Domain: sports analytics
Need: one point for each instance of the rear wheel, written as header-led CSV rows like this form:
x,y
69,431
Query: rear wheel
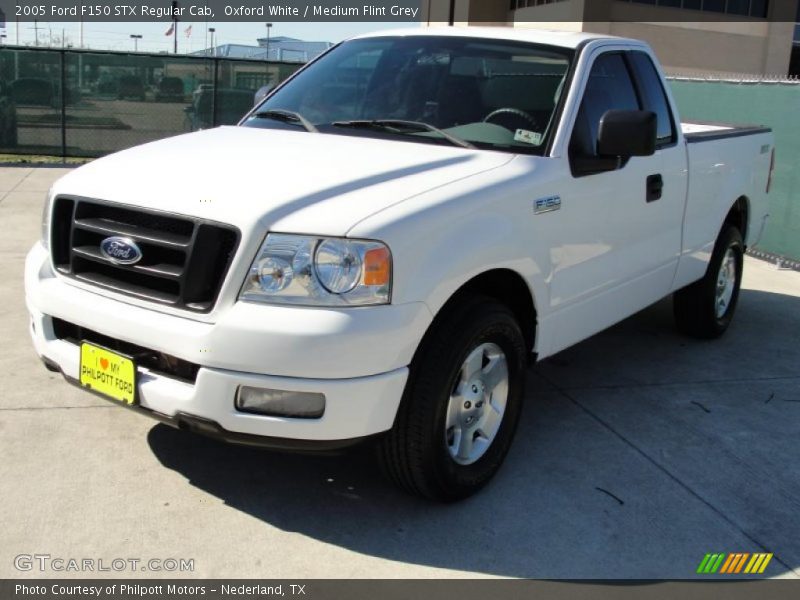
x,y
705,309
461,404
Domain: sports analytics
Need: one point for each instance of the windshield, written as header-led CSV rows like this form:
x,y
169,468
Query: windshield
x,y
490,93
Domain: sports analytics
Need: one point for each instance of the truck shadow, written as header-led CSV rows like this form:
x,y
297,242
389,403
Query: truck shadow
x,y
638,452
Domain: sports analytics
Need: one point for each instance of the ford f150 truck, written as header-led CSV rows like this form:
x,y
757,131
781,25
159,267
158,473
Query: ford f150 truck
x,y
380,247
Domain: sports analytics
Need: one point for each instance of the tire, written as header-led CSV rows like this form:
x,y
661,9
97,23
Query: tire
x,y
699,310
426,452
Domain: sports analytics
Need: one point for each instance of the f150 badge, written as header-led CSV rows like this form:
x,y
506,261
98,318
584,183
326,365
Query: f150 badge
x,y
549,204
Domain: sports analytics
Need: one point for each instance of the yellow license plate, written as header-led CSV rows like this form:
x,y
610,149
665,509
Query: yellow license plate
x,y
108,373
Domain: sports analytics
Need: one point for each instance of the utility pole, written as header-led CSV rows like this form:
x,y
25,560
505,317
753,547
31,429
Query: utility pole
x,y
212,30
175,26
205,38
267,75
136,37
36,30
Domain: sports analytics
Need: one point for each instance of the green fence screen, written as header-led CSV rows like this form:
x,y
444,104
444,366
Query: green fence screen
x,y
86,104
776,105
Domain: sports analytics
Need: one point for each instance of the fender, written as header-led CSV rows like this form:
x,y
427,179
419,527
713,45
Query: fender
x,y
445,238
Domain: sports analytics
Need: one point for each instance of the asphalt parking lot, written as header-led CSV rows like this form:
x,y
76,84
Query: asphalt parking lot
x,y
639,452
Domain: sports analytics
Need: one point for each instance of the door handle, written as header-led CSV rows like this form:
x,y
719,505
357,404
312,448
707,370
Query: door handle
x,y
655,187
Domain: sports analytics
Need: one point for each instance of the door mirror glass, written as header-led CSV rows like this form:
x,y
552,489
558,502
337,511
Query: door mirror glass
x,y
627,133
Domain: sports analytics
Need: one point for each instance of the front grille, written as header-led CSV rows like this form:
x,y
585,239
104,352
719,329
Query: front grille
x,y
158,362
184,260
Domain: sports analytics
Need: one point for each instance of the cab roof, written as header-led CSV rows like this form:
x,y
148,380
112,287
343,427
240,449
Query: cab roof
x,y
561,39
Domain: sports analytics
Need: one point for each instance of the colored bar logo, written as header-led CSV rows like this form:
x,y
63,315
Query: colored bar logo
x,y
734,563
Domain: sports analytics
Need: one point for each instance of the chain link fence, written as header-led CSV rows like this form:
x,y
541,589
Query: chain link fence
x,y
79,103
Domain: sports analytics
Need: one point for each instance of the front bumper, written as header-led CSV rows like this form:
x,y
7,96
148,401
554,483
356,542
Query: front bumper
x,y
356,357
212,429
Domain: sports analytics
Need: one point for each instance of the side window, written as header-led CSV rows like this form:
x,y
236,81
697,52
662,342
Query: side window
x,y
609,88
653,96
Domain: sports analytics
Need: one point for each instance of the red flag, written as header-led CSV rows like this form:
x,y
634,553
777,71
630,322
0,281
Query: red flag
x,y
188,31
171,30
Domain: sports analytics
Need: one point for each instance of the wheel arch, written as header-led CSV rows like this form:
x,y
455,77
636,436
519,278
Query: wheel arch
x,y
739,216
505,286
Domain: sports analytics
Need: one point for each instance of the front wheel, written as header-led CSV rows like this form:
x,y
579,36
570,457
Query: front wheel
x,y
461,404
705,309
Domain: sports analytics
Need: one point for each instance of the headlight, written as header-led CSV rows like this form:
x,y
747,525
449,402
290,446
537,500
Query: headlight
x,y
313,271
338,266
46,209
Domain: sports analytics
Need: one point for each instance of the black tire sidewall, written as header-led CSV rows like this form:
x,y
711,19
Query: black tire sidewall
x,y
498,327
730,239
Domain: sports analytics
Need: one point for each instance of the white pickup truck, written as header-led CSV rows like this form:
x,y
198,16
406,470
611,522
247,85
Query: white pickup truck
x,y
382,245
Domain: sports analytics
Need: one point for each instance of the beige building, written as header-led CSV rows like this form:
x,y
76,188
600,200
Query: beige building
x,y
689,36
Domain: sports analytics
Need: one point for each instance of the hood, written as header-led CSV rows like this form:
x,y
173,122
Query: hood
x,y
287,181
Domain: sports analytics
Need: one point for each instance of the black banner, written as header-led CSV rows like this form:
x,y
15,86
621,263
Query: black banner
x,y
401,11
395,589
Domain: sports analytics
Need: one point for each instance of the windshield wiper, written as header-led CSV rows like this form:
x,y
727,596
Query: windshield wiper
x,y
287,116
401,126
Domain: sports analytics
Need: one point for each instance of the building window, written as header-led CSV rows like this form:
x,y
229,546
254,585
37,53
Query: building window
x,y
515,4
797,26
746,8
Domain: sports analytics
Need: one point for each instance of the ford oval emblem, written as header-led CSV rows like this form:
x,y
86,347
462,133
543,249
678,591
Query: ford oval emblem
x,y
121,250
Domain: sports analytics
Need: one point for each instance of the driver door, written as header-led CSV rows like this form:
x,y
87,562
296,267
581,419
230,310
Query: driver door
x,y
617,247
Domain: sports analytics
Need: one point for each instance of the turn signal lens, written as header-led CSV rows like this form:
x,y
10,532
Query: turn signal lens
x,y
377,267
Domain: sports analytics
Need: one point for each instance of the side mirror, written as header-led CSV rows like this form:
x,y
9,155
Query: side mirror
x,y
626,133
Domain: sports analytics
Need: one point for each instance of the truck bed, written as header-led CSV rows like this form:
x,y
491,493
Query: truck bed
x,y
731,163
702,131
